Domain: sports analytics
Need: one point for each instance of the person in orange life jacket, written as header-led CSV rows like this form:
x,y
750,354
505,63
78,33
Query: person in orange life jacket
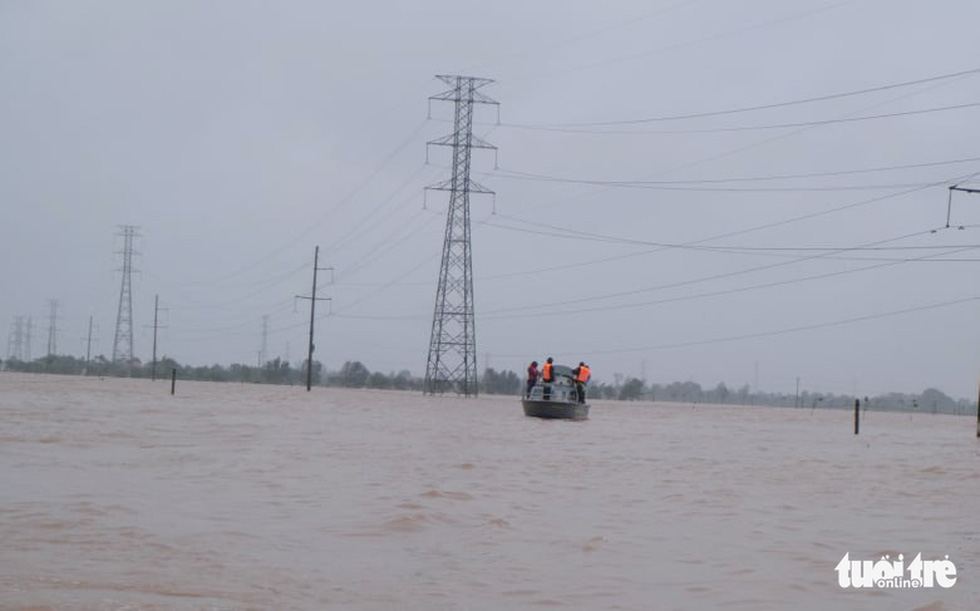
x,y
547,377
532,377
582,374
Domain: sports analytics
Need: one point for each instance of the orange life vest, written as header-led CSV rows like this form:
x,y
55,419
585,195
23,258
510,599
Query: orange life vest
x,y
583,374
546,373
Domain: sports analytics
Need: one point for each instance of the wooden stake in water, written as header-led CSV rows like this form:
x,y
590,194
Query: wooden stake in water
x,y
173,381
857,416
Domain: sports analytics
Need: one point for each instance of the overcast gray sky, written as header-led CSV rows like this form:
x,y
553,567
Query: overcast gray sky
x,y
751,246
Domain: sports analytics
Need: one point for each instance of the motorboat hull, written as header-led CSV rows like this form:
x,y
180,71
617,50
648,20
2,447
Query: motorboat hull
x,y
555,410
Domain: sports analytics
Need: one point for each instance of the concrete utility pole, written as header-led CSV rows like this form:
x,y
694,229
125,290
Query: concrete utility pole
x,y
857,416
313,299
452,345
156,325
88,348
949,209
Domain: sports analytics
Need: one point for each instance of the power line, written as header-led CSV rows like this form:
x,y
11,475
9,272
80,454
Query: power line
x,y
553,303
391,242
397,278
744,289
309,227
585,235
708,189
746,128
784,136
711,38
797,329
697,246
717,236
731,111
363,225
520,175
595,32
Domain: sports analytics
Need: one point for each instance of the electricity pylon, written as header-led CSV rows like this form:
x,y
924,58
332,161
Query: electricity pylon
x,y
122,345
452,345
53,327
15,345
263,348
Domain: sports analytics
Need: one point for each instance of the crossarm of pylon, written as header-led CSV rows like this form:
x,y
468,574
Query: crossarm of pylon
x,y
447,185
475,142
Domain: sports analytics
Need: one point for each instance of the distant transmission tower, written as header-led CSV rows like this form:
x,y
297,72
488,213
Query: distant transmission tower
x,y
452,346
27,340
122,345
15,346
53,327
264,346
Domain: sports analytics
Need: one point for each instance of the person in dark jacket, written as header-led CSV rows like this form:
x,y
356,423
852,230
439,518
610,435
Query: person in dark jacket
x,y
532,377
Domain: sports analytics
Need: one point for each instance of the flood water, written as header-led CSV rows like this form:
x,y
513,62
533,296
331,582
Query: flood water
x,y
116,495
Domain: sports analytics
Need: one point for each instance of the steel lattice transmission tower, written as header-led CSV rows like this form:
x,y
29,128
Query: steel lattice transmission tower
x,y
15,344
122,345
452,347
53,327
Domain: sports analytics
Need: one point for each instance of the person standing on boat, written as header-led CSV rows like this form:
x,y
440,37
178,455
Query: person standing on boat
x,y
532,377
582,374
547,377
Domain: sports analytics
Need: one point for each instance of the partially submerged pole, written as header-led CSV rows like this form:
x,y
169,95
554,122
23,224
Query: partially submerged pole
x,y
156,310
313,299
857,416
173,381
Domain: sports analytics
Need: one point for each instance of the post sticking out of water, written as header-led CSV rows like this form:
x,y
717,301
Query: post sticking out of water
x,y
857,416
173,380
978,417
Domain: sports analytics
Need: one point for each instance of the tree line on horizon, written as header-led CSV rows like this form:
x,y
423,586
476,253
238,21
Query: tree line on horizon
x,y
354,374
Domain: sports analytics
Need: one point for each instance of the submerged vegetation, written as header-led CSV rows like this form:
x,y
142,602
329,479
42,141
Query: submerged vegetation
x,y
354,374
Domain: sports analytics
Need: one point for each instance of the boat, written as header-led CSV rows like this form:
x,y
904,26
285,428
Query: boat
x,y
558,400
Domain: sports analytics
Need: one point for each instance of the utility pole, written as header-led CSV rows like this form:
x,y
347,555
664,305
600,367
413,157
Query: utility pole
x,y
949,203
313,299
451,363
949,209
88,349
156,325
156,310
122,345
